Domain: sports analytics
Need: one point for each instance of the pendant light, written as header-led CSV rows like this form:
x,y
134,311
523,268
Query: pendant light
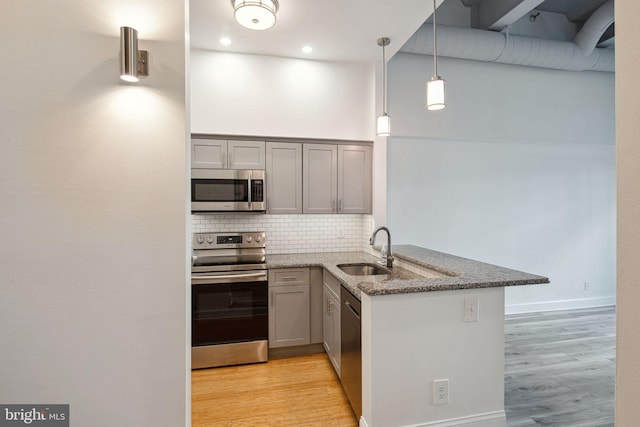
x,y
435,86
383,127
255,14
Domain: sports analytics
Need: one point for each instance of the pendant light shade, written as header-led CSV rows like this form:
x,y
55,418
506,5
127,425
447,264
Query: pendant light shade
x,y
435,94
435,86
255,14
383,126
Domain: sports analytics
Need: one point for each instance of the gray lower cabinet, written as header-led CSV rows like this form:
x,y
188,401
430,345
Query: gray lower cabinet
x,y
331,311
289,312
284,178
316,286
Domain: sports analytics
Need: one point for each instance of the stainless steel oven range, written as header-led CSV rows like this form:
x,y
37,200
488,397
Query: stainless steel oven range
x,y
229,299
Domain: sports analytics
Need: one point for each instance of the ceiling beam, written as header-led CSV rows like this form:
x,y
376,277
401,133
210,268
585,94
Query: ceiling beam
x,y
499,14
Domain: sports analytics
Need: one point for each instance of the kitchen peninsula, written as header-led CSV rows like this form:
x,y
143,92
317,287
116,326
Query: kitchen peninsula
x,y
434,317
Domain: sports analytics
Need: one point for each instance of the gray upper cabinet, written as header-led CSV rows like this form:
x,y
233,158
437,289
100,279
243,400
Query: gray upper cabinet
x,y
246,154
337,178
222,154
320,182
301,178
354,179
284,178
208,153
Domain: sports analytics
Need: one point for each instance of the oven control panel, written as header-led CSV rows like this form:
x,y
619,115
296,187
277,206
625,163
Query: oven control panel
x,y
256,239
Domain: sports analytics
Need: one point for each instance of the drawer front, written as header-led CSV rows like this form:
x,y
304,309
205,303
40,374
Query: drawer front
x,y
288,276
333,284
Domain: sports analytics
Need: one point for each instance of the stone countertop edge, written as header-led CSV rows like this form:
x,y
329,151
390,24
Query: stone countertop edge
x,y
461,273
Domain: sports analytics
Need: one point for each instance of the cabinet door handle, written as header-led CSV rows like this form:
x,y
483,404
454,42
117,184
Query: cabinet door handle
x,y
268,204
271,298
340,205
329,306
231,159
333,205
224,160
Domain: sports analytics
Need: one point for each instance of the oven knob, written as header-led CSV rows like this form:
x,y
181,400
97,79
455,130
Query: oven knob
x,y
258,238
200,239
249,239
209,239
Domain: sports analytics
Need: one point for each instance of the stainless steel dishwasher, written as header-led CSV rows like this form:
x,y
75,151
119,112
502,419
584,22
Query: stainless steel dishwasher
x,y
351,349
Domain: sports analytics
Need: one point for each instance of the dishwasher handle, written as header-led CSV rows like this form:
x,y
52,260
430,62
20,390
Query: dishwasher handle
x,y
353,309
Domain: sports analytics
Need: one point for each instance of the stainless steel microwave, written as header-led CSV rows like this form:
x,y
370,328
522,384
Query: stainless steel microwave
x,y
227,190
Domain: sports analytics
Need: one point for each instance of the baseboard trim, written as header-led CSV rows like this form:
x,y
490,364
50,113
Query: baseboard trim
x,y
299,350
560,305
478,420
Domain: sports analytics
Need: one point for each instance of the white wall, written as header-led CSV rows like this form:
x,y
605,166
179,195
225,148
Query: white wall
x,y
628,153
518,170
501,102
410,340
92,225
238,94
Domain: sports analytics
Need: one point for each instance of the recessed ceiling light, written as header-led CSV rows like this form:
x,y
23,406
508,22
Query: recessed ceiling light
x,y
307,49
225,41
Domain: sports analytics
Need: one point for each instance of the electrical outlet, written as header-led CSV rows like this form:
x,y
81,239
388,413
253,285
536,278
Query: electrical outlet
x,y
471,309
340,233
441,392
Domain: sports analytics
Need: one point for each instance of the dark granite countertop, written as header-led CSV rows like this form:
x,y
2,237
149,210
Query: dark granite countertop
x,y
440,271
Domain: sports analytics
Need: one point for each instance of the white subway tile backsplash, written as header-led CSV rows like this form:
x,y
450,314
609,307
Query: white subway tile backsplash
x,y
294,233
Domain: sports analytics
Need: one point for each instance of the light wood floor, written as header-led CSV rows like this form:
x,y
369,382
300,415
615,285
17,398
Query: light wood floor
x,y
559,371
297,391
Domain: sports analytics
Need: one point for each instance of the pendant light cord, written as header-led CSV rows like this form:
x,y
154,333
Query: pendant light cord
x,y
435,42
384,80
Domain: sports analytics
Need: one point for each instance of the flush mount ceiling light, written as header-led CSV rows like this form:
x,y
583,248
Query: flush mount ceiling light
x,y
383,127
255,14
435,86
133,62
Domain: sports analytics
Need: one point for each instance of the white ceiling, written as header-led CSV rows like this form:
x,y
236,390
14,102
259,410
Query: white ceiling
x,y
337,30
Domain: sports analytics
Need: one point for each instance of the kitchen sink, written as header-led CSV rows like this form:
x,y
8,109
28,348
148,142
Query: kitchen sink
x,y
363,269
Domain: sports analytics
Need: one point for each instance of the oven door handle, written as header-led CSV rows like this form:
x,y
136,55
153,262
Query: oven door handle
x,y
228,277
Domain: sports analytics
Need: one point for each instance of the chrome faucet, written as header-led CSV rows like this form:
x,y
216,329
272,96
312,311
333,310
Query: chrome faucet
x,y
387,257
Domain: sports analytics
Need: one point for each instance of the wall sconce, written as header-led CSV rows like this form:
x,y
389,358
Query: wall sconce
x,y
133,62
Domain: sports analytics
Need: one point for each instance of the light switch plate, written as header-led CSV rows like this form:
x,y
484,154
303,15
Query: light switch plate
x,y
471,309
